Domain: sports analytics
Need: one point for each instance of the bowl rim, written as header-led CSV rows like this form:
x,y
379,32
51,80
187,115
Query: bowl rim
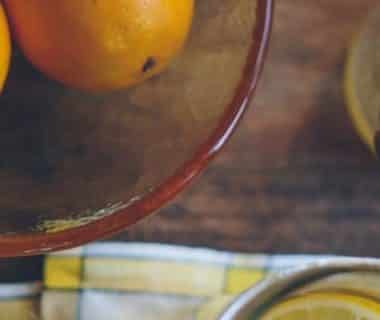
x,y
260,297
40,243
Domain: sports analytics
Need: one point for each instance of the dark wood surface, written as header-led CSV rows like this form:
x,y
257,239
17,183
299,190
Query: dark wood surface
x,y
295,178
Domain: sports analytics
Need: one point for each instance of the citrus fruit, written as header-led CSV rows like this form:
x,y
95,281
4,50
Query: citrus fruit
x,y
362,283
325,306
100,45
5,47
362,81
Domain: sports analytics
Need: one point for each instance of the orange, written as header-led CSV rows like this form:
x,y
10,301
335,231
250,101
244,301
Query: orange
x,y
5,47
100,45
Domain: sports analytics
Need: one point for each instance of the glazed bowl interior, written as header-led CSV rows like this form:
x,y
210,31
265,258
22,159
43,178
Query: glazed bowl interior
x,y
75,167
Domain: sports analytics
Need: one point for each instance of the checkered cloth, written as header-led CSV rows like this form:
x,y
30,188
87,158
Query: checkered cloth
x,y
115,281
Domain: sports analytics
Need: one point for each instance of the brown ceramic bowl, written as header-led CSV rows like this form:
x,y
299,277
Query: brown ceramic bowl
x,y
77,167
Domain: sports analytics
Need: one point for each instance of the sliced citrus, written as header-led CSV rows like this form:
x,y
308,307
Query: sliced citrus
x,y
362,81
325,306
362,283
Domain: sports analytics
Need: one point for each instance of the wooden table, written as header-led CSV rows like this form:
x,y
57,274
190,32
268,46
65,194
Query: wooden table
x,y
295,178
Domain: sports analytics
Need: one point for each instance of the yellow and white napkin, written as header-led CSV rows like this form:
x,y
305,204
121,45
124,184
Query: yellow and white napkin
x,y
136,281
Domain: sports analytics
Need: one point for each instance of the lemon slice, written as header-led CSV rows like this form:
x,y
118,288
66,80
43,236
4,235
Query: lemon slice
x,y
360,283
362,81
325,306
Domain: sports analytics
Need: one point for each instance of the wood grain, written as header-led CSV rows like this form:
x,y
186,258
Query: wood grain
x,y
295,177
